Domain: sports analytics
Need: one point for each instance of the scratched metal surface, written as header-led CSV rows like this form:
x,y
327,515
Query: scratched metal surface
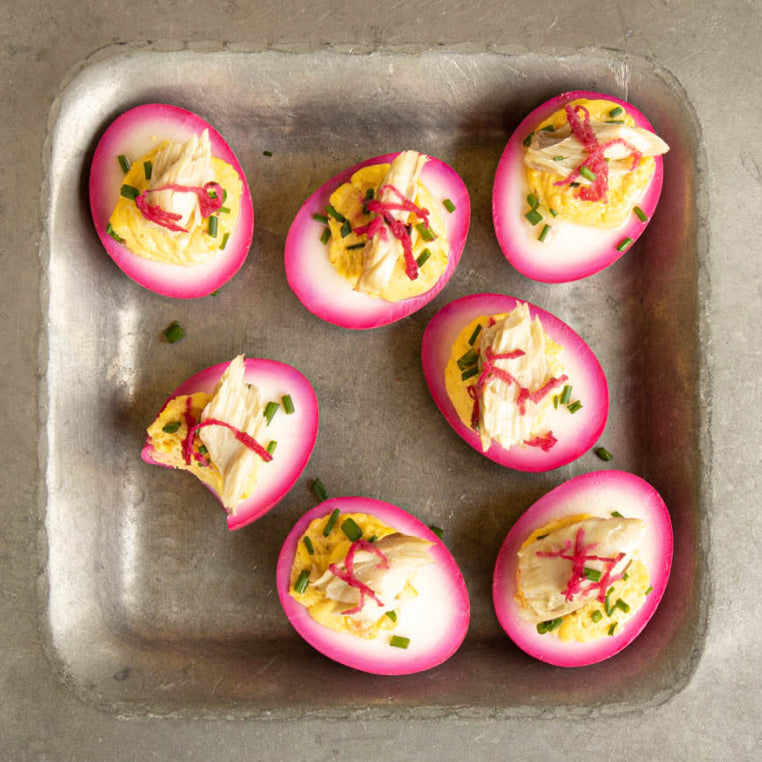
x,y
151,606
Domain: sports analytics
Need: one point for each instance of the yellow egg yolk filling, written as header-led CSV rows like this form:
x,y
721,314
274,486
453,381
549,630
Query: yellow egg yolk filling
x,y
624,189
153,241
346,251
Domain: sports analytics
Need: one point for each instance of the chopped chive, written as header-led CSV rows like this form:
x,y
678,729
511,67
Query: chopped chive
x,y
171,428
392,615
224,243
592,574
614,121
351,529
202,450
288,404
565,395
224,195
447,204
574,407
421,261
617,515
302,581
626,576
544,233
541,537
346,229
612,627
424,232
271,445
326,235
270,410
468,359
437,531
553,212
549,626
129,191
603,454
596,616
555,402
475,334
148,169
319,489
267,153
623,605
527,140
533,201
574,185
624,245
333,213
616,111
399,642
547,128
320,218
224,210
369,194
373,538
114,234
174,332
353,246
642,216
650,588
308,544
588,174
558,158
607,603
470,373
533,216
213,220
124,163
331,521
216,291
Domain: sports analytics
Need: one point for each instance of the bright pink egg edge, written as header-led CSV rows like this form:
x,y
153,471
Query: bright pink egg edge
x,y
505,225
368,312
325,640
303,396
546,647
435,352
175,281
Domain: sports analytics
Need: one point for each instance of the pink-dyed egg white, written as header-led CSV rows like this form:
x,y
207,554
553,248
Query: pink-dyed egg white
x,y
604,181
421,633
604,495
339,296
573,392
159,155
286,431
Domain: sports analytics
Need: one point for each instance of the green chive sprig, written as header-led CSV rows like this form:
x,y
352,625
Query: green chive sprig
x,y
328,528
174,332
124,163
302,581
321,493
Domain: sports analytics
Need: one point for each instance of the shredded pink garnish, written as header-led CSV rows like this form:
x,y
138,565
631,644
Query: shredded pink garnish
x,y
206,203
596,160
578,558
241,436
347,575
544,442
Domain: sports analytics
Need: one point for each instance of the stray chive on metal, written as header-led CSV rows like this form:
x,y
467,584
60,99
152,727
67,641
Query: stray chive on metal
x,y
308,544
624,245
331,521
267,153
421,261
171,428
641,215
270,410
437,531
399,642
448,205
544,233
302,581
124,163
174,332
533,216
320,491
351,529
603,454
288,404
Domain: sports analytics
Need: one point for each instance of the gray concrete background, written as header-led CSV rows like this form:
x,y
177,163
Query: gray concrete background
x,y
712,50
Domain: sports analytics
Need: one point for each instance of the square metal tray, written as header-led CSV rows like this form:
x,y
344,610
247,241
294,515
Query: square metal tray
x,y
149,605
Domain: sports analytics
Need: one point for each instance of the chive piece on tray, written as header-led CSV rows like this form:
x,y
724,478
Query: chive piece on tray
x,y
475,334
288,404
330,523
588,174
302,581
129,191
544,233
213,220
625,244
437,531
603,454
326,235
565,395
174,332
399,642
267,153
319,489
641,215
172,427
124,163
351,529
270,410
308,544
421,261
533,216
448,205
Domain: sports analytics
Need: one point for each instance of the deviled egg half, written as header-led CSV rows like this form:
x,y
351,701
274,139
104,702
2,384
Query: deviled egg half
x,y
582,571
515,382
245,428
576,185
379,240
373,588
170,201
